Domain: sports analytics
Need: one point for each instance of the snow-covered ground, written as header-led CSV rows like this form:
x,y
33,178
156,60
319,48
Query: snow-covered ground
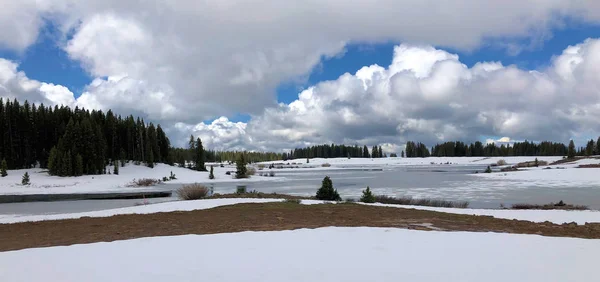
x,y
324,254
558,217
42,183
554,216
345,162
141,209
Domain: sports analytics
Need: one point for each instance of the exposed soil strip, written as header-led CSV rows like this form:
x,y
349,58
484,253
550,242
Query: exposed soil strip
x,y
264,217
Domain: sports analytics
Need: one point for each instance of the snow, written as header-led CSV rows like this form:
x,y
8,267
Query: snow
x,y
324,254
554,216
142,209
42,183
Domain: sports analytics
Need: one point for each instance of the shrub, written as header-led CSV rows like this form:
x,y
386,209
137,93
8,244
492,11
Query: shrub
x,y
350,200
3,168
25,180
250,171
261,166
325,165
551,206
228,173
501,162
367,196
488,169
172,176
327,192
192,192
271,173
240,189
293,201
165,179
420,202
143,182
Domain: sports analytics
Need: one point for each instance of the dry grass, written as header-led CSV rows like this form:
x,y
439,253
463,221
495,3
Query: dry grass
x,y
589,166
532,164
326,165
143,182
501,162
192,192
420,202
250,171
259,195
551,206
293,201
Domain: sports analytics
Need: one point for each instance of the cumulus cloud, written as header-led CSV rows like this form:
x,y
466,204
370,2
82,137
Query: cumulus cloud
x,y
445,100
184,61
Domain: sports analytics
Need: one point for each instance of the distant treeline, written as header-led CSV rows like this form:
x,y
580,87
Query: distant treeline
x,y
183,155
75,141
478,149
336,151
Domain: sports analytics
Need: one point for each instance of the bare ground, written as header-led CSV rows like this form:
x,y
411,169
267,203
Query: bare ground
x,y
263,217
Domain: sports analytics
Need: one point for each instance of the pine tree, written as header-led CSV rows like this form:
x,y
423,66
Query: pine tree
x,y
3,168
78,165
402,154
240,167
116,168
25,180
53,163
211,175
367,196
327,192
199,156
366,152
571,150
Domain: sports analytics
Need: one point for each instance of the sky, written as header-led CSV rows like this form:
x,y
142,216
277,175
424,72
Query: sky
x,y
275,75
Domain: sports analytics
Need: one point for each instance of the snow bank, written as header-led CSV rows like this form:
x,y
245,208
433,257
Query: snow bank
x,y
42,183
324,254
554,216
143,209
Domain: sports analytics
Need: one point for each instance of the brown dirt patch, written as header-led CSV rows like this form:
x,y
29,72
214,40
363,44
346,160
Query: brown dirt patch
x,y
263,217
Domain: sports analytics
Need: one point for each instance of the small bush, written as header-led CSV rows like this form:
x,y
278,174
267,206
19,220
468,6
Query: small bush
x,y
501,162
165,179
488,169
228,173
25,180
211,175
172,176
192,192
367,196
3,168
261,166
293,201
325,165
143,182
250,171
271,173
420,202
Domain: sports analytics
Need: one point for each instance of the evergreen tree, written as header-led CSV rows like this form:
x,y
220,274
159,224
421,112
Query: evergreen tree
x,y
3,168
199,156
53,162
116,168
380,152
327,192
366,152
402,154
25,179
374,152
241,167
78,165
571,150
211,175
367,196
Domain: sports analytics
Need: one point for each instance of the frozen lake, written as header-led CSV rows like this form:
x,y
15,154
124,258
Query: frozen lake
x,y
449,182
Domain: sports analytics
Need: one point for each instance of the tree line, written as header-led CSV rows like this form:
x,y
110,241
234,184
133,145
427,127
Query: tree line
x,y
478,149
336,151
75,141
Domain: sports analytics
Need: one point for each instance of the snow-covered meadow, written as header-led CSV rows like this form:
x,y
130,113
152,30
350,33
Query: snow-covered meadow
x,y
324,254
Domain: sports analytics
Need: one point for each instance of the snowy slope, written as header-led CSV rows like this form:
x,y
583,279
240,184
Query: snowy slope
x,y
42,183
143,209
325,254
554,216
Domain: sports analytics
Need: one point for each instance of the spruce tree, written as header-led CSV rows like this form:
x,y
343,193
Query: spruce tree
x,y
327,192
53,163
240,165
366,152
402,154
25,179
3,168
367,196
211,175
571,151
199,156
78,165
116,168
